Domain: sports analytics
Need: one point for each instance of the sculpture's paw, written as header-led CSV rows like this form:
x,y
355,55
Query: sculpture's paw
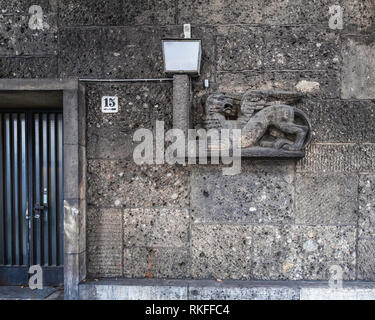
x,y
281,143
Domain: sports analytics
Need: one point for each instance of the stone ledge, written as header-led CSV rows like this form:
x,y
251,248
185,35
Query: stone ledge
x,y
157,289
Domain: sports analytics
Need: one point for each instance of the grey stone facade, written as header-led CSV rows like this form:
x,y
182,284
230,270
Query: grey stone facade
x,y
277,220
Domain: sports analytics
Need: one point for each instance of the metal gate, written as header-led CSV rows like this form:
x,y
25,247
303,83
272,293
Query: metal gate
x,y
31,195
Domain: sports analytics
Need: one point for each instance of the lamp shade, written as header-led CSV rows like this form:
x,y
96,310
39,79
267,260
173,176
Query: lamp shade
x,y
182,56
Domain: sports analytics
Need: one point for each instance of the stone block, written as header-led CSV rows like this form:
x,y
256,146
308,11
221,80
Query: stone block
x,y
74,226
134,291
146,262
136,51
261,193
30,67
71,115
326,199
338,158
366,259
133,52
151,12
318,84
17,39
297,12
21,7
243,293
337,294
253,12
340,121
241,48
74,272
219,12
104,242
221,251
181,102
358,71
115,12
359,15
140,105
122,183
71,172
302,252
366,223
80,54
164,227
87,12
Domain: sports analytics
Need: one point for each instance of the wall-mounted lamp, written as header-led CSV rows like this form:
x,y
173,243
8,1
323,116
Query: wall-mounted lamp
x,y
182,56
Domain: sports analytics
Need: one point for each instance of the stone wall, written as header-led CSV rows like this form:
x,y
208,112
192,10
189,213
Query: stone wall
x,y
276,220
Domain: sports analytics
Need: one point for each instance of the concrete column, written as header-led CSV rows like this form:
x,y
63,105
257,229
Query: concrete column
x,y
181,102
74,191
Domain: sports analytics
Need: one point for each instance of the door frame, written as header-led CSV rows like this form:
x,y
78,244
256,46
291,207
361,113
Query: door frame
x,y
74,123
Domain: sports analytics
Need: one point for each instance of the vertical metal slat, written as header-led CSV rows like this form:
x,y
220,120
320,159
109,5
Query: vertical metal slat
x,y
24,224
2,238
37,180
16,208
45,190
8,188
53,190
61,188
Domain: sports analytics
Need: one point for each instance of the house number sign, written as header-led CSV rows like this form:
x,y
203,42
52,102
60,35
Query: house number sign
x,y
109,104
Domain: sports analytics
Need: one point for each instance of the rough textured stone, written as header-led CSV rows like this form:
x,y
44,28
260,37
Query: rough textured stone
x,y
359,15
80,53
131,291
155,289
115,12
122,183
302,252
140,105
358,72
261,193
240,82
145,262
253,12
87,12
233,293
28,67
296,12
74,172
152,12
366,260
136,51
219,12
22,6
340,121
338,158
366,223
181,102
16,38
74,226
326,199
164,227
242,48
337,294
74,273
104,242
221,251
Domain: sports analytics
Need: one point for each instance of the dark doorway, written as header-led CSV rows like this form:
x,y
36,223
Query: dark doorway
x,y
31,195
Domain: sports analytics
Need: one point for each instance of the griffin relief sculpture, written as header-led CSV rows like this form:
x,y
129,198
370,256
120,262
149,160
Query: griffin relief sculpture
x,y
269,124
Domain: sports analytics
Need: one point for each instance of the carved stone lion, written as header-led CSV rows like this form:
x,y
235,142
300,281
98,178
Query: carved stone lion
x,y
265,118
